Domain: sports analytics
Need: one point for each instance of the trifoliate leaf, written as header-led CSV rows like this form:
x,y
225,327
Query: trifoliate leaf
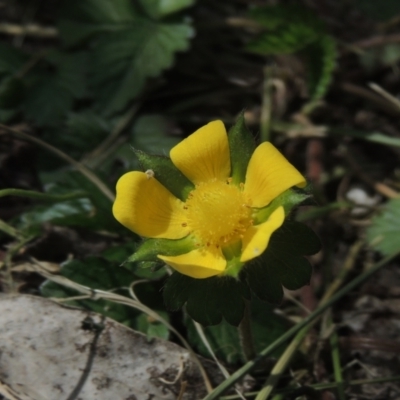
x,y
207,300
282,263
126,48
241,146
160,8
79,20
383,234
124,58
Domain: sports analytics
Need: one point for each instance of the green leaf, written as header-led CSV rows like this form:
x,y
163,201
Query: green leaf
x,y
150,133
53,90
79,20
152,328
63,213
125,48
301,239
266,326
99,217
11,59
283,40
166,173
83,133
289,28
283,264
124,58
241,146
383,234
95,273
207,300
161,8
47,101
11,92
320,58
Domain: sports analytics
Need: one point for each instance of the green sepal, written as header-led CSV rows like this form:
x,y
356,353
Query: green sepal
x,y
232,255
207,300
283,264
166,173
288,199
151,248
241,146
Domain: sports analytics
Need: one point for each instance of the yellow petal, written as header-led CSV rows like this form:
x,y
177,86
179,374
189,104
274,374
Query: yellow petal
x,y
256,238
146,207
199,263
269,174
204,155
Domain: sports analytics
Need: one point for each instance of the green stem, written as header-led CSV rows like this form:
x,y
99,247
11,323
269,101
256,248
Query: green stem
x,y
42,196
245,335
240,373
86,172
321,386
266,108
337,368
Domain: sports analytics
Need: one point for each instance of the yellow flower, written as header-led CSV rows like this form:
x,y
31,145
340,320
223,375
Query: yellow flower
x,y
220,217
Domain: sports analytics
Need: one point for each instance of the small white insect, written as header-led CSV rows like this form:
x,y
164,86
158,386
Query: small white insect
x,y
149,173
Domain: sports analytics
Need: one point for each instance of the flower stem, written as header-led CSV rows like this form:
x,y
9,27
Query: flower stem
x,y
266,109
245,334
292,331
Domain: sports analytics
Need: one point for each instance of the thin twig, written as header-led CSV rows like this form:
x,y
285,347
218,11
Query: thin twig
x,y
79,166
110,140
378,186
377,41
392,99
29,30
292,331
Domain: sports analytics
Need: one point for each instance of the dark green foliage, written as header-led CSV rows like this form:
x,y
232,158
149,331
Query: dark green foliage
x,y
282,263
126,47
293,28
207,300
288,28
266,325
96,273
320,57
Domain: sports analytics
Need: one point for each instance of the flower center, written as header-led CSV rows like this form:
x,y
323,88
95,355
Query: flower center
x,y
218,213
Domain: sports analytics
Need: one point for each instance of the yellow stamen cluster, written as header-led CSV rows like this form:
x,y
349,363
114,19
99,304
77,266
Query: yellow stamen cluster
x,y
218,213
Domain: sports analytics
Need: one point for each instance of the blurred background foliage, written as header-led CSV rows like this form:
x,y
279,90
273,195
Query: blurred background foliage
x,y
94,78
